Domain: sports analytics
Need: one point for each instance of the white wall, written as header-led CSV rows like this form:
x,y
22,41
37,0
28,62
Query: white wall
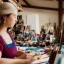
x,y
33,21
45,16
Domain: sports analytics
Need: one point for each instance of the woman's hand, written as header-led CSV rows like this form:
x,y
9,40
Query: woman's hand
x,y
21,55
30,59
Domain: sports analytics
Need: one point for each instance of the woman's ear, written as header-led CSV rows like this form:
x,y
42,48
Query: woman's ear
x,y
5,17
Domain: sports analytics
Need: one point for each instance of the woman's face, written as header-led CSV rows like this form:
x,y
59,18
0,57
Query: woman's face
x,y
12,19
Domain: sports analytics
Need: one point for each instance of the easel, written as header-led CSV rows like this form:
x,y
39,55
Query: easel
x,y
59,36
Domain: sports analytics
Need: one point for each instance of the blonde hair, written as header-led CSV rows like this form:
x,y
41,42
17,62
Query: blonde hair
x,y
6,8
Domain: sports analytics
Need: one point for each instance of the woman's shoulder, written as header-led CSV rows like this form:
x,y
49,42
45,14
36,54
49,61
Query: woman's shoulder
x,y
1,40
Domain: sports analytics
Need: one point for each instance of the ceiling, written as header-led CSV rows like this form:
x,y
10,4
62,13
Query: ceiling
x,y
40,4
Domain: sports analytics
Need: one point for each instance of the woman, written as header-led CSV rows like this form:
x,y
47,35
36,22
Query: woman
x,y
8,51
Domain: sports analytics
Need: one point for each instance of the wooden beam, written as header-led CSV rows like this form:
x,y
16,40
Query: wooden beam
x,y
5,0
60,12
60,18
17,0
26,2
37,7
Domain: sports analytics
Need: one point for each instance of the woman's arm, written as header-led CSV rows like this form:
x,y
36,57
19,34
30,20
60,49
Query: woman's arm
x,y
15,61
